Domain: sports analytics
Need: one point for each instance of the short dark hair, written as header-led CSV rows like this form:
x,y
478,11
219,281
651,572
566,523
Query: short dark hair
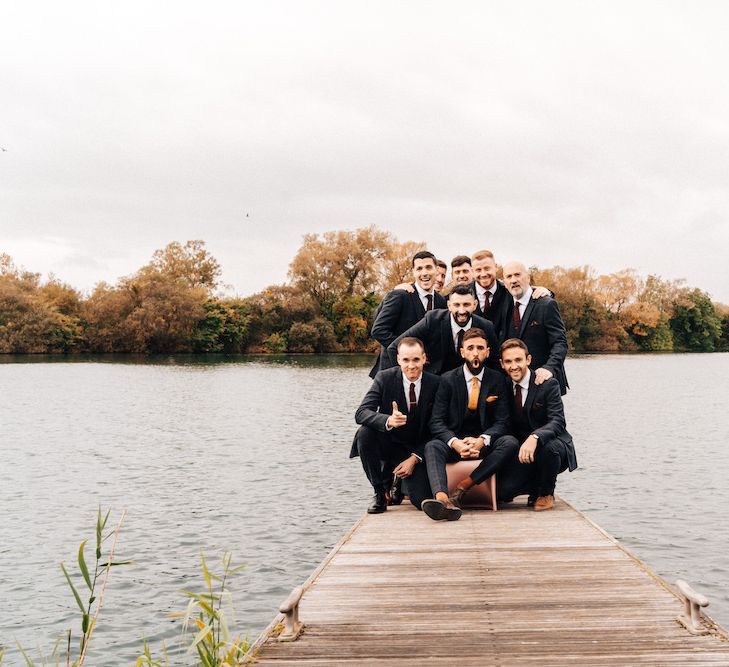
x,y
474,332
423,254
441,264
411,340
462,290
460,259
513,342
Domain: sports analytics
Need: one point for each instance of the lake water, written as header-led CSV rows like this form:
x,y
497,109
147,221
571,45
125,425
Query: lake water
x,y
250,455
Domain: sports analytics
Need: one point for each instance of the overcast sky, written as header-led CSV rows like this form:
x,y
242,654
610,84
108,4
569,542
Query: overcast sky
x,y
551,132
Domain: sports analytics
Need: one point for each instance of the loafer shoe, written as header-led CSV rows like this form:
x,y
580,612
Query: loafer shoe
x,y
543,503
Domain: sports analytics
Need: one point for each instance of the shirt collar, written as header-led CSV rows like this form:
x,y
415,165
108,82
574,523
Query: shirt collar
x,y
524,298
469,376
524,384
482,290
422,292
455,328
406,382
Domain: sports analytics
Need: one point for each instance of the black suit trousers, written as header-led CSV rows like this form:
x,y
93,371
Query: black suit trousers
x,y
380,455
550,459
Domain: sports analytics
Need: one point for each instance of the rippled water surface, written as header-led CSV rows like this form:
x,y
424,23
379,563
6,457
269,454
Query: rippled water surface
x,y
250,455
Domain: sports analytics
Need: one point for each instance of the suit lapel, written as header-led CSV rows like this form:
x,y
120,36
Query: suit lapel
x,y
399,392
462,396
417,303
525,317
446,336
531,395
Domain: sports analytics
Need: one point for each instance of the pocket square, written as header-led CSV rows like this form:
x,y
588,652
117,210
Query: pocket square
x,y
533,323
492,398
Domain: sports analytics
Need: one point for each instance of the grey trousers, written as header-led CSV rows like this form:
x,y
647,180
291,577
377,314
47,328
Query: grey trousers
x,y
493,457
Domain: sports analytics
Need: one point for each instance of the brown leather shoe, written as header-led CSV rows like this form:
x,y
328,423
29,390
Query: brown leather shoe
x,y
543,503
438,510
456,498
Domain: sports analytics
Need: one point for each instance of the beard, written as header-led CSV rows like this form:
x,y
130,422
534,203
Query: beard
x,y
474,367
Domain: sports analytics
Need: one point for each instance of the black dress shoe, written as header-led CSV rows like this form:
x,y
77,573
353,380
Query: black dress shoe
x,y
379,503
396,496
531,500
439,511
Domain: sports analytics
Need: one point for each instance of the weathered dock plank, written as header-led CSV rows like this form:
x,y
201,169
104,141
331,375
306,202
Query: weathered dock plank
x,y
513,587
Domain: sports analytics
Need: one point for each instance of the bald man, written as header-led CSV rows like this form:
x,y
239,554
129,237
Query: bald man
x,y
538,323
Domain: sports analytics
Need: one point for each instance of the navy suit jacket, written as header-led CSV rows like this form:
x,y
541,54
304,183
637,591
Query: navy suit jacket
x,y
451,404
376,407
398,311
437,336
543,331
544,411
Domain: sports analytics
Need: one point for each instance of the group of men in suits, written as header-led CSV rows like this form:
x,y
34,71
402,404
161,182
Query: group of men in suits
x,y
476,375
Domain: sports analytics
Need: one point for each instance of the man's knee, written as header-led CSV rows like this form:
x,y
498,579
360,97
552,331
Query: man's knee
x,y
507,442
368,441
436,448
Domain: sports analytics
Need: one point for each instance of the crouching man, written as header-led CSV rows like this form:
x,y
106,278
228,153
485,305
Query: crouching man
x,y
537,420
470,421
394,417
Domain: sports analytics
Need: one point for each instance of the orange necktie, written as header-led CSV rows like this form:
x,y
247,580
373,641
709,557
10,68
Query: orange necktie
x,y
473,396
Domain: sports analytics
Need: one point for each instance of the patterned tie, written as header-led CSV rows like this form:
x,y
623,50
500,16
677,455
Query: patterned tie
x,y
429,298
459,340
486,303
517,317
473,396
517,400
413,400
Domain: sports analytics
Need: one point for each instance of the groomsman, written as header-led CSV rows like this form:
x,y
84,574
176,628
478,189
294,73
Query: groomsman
x,y
538,323
401,309
470,421
442,331
537,421
394,417
492,297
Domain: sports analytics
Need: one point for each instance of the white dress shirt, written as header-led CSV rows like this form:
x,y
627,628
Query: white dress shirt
x,y
523,301
422,294
455,329
524,384
481,293
469,381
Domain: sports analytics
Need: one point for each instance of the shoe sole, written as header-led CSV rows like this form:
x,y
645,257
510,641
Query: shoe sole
x,y
437,511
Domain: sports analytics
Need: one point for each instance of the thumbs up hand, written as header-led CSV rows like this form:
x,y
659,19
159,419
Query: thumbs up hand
x,y
397,418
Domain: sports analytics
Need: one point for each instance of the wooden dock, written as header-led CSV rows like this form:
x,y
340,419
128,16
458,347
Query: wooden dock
x,y
513,587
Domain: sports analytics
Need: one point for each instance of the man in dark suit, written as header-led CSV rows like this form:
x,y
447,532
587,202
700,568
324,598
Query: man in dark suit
x,y
492,298
537,421
393,418
470,421
400,309
442,330
538,323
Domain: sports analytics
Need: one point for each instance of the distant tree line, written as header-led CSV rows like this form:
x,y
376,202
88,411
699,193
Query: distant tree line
x,y
336,280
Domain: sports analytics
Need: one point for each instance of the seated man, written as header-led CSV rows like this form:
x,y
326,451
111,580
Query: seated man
x,y
470,421
442,330
394,417
537,420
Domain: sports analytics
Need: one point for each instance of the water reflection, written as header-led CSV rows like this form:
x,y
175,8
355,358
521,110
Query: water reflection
x,y
249,454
